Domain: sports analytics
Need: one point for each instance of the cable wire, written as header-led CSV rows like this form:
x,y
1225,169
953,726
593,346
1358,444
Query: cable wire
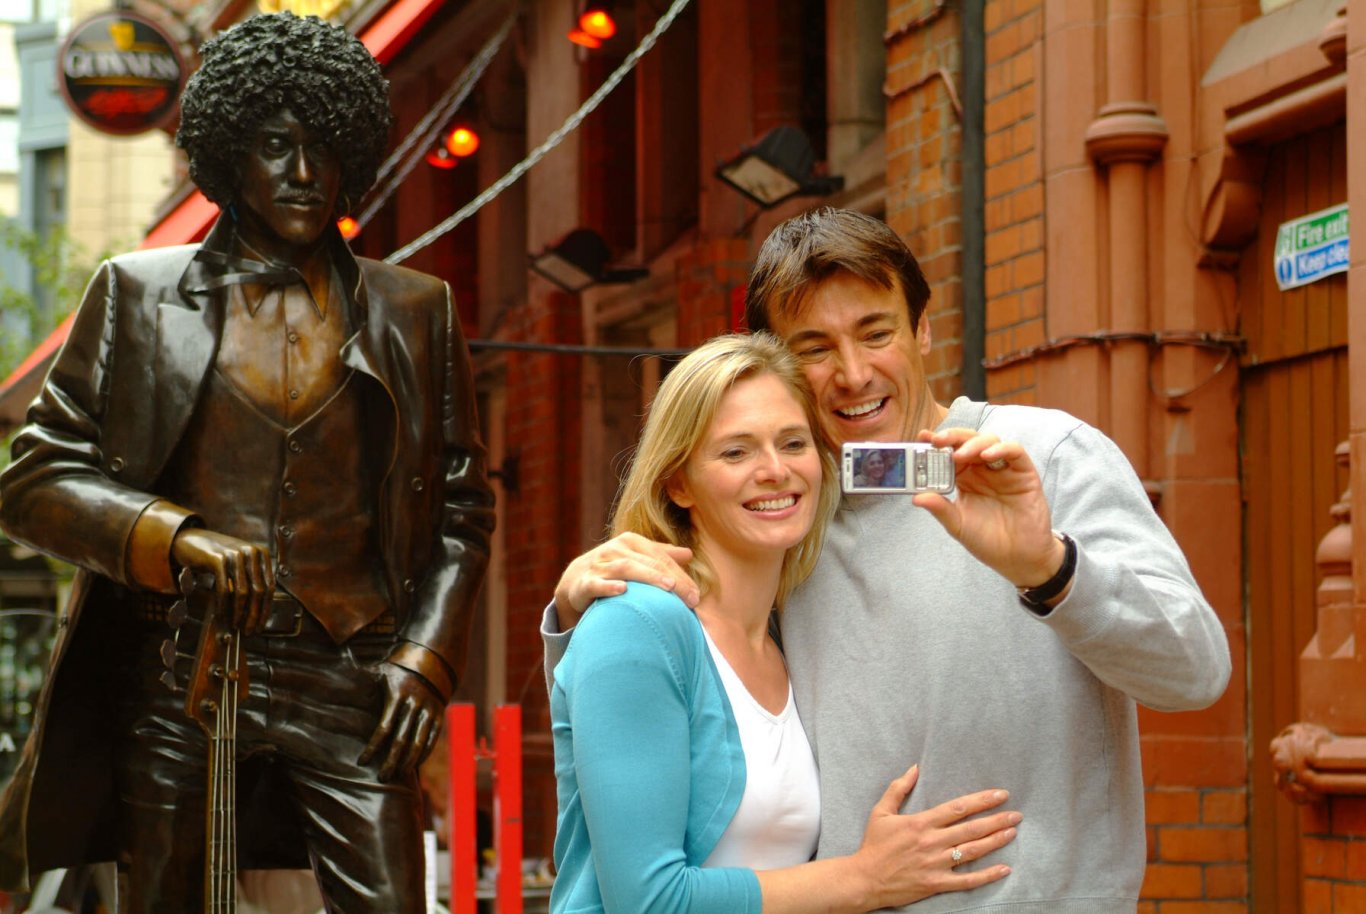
x,y
550,142
421,136
573,348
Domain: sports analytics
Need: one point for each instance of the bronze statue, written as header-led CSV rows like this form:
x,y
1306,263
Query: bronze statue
x,y
294,426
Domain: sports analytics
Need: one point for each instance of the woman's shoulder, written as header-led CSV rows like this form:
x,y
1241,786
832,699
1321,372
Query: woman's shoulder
x,y
641,611
645,600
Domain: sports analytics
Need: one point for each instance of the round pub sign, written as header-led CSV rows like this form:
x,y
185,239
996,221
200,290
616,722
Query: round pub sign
x,y
121,72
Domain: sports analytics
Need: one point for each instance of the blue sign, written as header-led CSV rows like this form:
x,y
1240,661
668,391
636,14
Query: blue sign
x,y
1312,247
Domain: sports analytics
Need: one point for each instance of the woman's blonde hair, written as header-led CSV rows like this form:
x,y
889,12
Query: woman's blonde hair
x,y
681,414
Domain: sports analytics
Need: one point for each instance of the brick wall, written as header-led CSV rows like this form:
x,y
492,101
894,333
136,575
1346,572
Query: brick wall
x,y
1014,201
1197,811
924,172
1334,856
707,275
1197,851
543,430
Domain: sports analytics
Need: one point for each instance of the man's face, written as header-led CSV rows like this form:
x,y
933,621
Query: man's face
x,y
863,359
290,181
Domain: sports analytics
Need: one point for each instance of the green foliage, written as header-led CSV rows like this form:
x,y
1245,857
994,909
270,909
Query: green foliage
x,y
60,271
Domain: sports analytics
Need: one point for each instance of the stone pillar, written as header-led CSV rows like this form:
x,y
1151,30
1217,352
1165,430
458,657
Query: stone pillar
x,y
1126,138
854,104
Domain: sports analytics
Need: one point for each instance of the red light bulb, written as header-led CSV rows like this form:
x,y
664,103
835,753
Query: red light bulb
x,y
580,37
598,23
440,157
462,142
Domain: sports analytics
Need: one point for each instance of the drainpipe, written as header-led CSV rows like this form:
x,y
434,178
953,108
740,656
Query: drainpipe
x,y
1124,140
974,197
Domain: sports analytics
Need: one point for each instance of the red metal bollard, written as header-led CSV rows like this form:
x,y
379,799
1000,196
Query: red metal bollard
x,y
507,806
461,837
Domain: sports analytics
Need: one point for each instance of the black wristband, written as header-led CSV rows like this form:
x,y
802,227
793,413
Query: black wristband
x,y
1035,599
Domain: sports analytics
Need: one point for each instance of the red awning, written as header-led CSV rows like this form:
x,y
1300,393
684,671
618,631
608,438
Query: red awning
x,y
388,34
190,221
19,389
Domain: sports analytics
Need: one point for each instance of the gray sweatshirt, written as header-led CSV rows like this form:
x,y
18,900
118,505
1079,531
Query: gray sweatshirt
x,y
904,648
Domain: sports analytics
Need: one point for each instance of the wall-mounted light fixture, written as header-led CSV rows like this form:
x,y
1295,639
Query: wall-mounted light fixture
x,y
579,260
595,25
777,166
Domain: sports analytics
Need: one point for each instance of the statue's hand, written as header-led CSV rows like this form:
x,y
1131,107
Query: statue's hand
x,y
243,573
410,724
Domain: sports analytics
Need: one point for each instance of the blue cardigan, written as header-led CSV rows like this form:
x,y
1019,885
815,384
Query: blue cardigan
x,y
648,762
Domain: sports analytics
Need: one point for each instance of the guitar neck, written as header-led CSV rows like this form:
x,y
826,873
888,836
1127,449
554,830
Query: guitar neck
x,y
220,867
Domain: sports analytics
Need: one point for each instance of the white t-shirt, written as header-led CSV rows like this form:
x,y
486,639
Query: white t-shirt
x,y
779,818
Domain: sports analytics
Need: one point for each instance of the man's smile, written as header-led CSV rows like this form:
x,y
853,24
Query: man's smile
x,y
862,409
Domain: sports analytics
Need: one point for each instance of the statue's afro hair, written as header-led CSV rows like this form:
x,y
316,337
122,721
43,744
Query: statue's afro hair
x,y
269,63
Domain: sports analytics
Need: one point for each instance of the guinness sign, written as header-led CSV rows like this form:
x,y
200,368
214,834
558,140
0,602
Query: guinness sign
x,y
121,73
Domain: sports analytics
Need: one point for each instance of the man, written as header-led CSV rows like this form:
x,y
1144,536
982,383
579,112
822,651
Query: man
x,y
968,636
297,425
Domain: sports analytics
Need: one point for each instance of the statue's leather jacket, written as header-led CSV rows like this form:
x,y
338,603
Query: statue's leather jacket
x,y
97,438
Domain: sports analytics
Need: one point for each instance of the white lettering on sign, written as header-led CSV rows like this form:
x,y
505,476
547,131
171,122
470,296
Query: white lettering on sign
x,y
1312,247
85,64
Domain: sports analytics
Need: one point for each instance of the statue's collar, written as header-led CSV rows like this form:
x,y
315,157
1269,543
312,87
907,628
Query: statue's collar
x,y
208,273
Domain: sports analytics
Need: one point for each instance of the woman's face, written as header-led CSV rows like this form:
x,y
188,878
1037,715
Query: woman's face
x,y
874,466
752,484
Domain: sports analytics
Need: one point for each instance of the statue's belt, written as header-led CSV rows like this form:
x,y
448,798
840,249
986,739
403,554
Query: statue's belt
x,y
284,617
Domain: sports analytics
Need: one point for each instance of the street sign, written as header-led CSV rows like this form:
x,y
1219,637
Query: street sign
x,y
1312,247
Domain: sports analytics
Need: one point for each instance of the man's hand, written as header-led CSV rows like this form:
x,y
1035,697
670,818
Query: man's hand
x,y
409,725
604,570
243,573
1000,515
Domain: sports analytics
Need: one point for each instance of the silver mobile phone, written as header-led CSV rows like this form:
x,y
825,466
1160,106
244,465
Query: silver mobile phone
x,y
880,467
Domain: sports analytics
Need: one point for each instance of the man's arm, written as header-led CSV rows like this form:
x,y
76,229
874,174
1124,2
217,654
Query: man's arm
x,y
602,572
1135,614
1132,612
553,645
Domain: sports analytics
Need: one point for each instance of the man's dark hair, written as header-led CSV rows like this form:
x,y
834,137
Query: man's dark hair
x,y
806,250
266,64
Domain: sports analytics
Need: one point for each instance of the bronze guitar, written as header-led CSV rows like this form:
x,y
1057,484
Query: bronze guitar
x,y
218,681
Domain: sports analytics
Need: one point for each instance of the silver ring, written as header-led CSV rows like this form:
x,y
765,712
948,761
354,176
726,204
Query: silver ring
x,y
957,856
1000,463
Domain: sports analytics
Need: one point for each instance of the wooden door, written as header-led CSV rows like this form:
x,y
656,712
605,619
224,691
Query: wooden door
x,y
1295,390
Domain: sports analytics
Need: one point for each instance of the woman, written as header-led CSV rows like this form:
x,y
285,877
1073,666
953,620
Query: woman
x,y
686,783
873,471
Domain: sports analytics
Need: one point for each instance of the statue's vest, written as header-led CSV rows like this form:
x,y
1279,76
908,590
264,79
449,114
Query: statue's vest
x,y
305,491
